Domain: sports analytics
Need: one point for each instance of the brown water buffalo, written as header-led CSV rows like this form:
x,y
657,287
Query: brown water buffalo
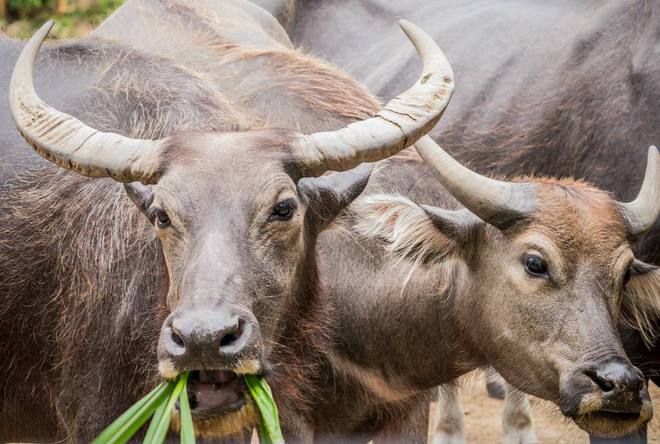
x,y
555,88
207,262
528,276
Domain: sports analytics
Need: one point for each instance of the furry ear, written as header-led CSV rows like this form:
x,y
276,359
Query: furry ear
x,y
327,195
640,308
141,195
417,232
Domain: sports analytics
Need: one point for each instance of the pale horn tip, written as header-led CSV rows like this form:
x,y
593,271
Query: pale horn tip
x,y
652,159
23,69
43,31
434,60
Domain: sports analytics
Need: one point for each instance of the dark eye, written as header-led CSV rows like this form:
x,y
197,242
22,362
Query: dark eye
x,y
283,210
626,277
162,219
535,265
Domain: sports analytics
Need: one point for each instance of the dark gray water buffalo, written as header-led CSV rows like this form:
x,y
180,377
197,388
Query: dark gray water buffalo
x,y
220,277
551,88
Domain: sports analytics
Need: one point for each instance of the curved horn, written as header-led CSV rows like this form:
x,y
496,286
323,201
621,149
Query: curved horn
x,y
68,142
397,126
494,201
641,213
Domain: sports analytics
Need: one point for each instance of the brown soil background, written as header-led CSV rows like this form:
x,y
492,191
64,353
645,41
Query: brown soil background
x,y
483,418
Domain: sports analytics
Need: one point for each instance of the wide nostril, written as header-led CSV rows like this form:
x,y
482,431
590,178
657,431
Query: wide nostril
x,y
603,383
177,338
228,340
232,336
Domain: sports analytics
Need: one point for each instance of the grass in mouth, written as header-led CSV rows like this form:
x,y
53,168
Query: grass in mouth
x,y
159,404
269,421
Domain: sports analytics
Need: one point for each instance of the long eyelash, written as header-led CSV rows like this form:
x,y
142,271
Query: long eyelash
x,y
151,214
292,202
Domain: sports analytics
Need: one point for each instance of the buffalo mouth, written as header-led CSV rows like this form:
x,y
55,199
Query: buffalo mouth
x,y
214,393
606,423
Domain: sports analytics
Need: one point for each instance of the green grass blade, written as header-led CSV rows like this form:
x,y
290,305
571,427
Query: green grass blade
x,y
264,437
187,429
155,420
141,417
127,415
269,427
130,421
163,424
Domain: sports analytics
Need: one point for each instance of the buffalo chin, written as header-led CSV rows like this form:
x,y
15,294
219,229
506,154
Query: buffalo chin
x,y
236,423
606,424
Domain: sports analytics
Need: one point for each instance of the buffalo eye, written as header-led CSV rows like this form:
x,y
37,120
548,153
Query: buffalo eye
x,y
535,265
626,277
283,210
162,219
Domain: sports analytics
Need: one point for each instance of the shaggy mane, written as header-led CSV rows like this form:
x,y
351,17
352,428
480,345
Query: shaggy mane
x,y
403,225
640,308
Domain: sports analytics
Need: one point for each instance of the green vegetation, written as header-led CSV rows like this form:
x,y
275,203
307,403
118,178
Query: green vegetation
x,y
158,406
269,425
72,17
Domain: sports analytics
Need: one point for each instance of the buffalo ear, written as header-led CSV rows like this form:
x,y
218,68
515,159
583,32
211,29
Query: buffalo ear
x,y
417,232
640,307
141,195
455,224
328,195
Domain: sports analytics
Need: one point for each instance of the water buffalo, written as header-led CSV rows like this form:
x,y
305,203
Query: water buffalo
x,y
173,225
529,276
554,88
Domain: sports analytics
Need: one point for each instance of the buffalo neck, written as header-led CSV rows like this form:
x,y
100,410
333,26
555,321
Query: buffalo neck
x,y
396,324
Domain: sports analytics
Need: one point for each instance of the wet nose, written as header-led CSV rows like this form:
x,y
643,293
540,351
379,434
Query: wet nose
x,y
208,339
618,382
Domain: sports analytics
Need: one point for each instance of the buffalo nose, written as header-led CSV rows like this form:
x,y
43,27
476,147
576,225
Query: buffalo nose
x,y
202,339
617,378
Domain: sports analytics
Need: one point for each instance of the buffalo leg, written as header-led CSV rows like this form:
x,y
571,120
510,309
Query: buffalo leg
x,y
495,384
448,424
517,424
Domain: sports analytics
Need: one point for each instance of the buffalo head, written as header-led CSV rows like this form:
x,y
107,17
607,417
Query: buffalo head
x,y
539,272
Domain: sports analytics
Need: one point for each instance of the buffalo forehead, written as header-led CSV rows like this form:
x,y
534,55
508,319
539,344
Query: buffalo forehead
x,y
580,220
229,159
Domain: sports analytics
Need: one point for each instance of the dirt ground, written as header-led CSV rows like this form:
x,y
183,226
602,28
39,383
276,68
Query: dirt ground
x,y
483,417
